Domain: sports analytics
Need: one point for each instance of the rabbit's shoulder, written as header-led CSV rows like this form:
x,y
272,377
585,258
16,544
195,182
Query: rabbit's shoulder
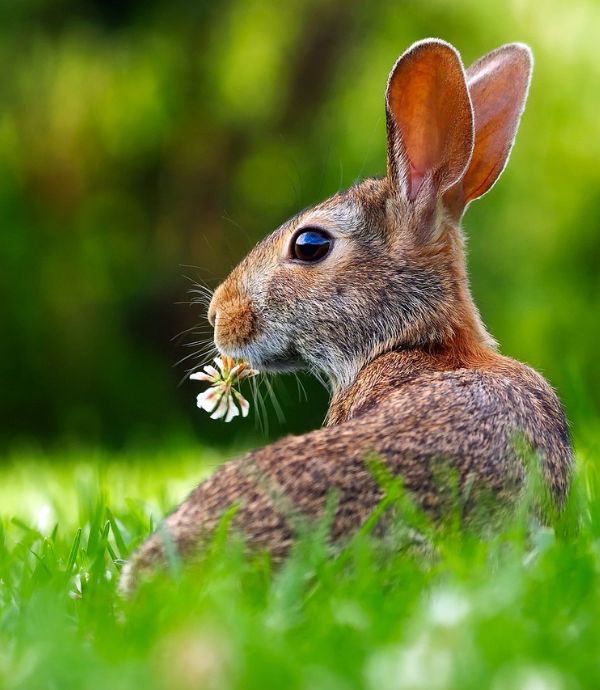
x,y
477,411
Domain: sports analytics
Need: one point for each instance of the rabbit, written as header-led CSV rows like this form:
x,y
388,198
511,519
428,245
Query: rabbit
x,y
369,289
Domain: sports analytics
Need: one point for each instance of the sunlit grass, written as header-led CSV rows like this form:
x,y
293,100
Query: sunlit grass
x,y
517,610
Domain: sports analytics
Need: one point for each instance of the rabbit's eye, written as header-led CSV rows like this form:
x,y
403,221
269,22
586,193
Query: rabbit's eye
x,y
311,245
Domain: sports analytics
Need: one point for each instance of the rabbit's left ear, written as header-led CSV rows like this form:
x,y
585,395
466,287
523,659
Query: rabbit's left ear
x,y
429,122
498,84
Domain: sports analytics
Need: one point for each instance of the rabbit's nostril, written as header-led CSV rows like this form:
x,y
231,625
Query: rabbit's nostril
x,y
212,316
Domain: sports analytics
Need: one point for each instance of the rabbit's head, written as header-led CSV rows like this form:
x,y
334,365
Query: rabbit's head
x,y
381,265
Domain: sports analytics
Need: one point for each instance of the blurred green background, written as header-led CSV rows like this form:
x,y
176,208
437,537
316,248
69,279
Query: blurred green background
x,y
143,144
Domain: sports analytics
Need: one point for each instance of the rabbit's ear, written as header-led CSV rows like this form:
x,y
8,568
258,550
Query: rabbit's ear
x,y
498,83
429,121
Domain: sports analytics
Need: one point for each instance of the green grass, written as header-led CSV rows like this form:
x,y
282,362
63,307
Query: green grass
x,y
519,610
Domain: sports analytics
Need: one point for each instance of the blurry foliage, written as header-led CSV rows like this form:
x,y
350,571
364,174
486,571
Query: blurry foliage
x,y
142,142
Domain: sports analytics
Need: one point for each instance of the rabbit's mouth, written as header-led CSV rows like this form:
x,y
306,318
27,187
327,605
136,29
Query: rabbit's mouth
x,y
267,359
282,363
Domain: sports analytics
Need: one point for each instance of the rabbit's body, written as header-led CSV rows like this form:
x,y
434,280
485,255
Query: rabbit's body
x,y
370,288
422,413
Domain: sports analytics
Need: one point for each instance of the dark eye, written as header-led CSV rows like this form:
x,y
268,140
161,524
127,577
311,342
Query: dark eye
x,y
311,245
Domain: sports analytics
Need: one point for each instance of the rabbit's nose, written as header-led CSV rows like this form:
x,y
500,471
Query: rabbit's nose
x,y
212,315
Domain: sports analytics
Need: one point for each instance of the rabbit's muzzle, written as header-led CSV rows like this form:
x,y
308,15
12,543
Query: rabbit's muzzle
x,y
231,315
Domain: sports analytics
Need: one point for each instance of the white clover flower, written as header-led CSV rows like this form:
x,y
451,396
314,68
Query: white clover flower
x,y
221,399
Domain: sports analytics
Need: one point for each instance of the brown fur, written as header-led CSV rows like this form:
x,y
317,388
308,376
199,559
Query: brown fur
x,y
236,319
388,317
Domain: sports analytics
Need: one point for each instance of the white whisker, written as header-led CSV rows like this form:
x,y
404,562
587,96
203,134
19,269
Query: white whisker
x,y
300,388
274,401
262,420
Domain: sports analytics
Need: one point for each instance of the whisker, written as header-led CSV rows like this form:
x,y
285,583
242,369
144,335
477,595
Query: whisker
x,y
262,421
191,329
207,356
203,301
194,343
200,298
317,374
196,355
274,401
228,219
196,280
253,394
200,290
300,388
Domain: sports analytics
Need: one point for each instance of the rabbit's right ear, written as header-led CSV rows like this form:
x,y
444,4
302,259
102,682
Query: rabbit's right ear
x,y
429,122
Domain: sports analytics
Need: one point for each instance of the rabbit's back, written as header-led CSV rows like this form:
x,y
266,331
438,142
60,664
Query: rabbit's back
x,y
476,417
412,415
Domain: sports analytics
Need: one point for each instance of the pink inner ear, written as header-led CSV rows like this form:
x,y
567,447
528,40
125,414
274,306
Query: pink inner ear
x,y
416,181
498,85
429,106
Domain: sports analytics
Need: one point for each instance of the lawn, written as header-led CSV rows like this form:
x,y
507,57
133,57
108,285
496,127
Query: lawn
x,y
516,610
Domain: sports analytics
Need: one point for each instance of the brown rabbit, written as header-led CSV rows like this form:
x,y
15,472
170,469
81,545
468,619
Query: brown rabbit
x,y
370,289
